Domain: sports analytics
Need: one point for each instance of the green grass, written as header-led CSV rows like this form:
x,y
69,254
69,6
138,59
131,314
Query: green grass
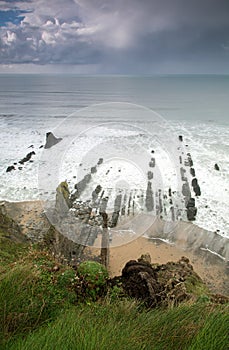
x,y
39,309
32,292
9,250
122,325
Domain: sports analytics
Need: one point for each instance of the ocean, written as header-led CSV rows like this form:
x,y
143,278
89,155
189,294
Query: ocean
x,y
130,122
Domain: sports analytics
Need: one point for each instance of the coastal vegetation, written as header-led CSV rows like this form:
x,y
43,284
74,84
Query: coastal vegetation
x,y
45,304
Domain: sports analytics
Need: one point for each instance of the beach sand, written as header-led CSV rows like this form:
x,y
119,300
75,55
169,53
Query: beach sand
x,y
214,275
187,240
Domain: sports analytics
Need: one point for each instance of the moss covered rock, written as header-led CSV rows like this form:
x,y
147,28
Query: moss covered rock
x,y
93,278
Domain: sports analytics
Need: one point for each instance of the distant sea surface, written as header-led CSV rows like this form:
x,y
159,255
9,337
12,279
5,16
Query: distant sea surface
x,y
196,107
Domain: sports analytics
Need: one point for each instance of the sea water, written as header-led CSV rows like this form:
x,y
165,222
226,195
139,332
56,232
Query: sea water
x,y
196,107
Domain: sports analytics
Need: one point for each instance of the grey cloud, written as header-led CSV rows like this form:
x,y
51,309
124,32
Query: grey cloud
x,y
119,36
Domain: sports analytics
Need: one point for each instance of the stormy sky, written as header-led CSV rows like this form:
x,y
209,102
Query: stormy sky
x,y
114,36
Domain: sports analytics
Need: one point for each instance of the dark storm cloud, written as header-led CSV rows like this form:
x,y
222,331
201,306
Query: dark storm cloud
x,y
119,36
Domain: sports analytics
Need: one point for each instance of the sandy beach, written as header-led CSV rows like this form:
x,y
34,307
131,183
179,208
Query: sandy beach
x,y
214,275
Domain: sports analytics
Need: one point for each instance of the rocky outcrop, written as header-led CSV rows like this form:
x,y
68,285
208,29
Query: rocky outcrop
x,y
63,202
51,140
192,172
149,200
27,157
8,226
80,187
64,249
117,208
191,210
140,281
164,284
10,168
22,161
196,187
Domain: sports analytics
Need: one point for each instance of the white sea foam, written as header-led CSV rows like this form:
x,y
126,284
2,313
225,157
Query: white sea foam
x,y
214,253
23,125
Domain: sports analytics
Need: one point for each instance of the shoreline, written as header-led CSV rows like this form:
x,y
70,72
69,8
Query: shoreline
x,y
186,239
217,233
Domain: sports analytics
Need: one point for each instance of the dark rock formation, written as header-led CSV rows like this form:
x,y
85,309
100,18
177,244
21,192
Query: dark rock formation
x,y
172,213
196,187
152,163
150,175
188,161
103,205
10,168
51,140
27,157
80,187
117,207
96,192
9,226
140,282
93,170
149,201
100,161
180,138
191,210
160,203
192,172
216,167
159,284
63,202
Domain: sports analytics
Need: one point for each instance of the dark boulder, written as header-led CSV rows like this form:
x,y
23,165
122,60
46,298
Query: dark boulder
x,y
152,163
192,172
27,157
216,167
51,140
140,282
155,285
93,170
100,161
10,168
196,187
96,192
191,209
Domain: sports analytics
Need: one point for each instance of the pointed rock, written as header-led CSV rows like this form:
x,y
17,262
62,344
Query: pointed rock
x,y
51,140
